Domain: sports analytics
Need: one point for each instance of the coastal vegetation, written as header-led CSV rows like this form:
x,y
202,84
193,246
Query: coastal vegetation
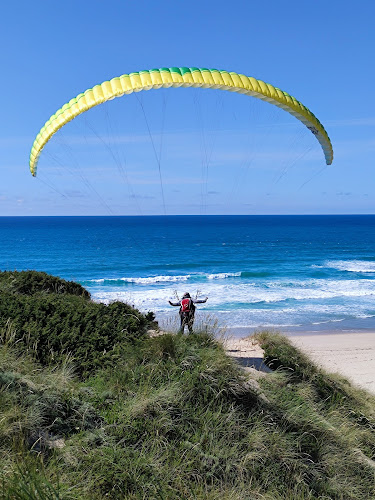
x,y
92,406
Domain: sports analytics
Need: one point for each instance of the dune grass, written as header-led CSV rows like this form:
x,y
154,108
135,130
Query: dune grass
x,y
177,418
174,417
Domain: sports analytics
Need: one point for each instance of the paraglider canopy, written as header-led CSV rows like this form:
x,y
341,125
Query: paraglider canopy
x,y
178,77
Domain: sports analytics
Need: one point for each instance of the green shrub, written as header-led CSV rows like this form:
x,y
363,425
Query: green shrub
x,y
53,318
30,282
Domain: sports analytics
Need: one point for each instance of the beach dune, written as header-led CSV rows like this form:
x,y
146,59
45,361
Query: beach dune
x,y
351,355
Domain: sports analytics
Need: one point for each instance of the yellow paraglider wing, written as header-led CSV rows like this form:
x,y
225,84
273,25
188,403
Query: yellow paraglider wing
x,y
178,77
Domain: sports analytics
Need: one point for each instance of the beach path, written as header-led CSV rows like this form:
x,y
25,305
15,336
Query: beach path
x,y
247,352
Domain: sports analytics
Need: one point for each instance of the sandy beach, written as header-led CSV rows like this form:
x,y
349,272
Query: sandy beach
x,y
352,355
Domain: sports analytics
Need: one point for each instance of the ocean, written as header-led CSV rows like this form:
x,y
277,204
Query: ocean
x,y
289,273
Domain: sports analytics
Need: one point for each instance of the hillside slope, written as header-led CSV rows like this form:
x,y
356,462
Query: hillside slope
x,y
166,417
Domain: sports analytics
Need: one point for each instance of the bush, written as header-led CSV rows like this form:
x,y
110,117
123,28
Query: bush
x,y
53,318
31,282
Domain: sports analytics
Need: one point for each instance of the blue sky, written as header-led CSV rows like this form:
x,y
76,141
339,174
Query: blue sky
x,y
217,153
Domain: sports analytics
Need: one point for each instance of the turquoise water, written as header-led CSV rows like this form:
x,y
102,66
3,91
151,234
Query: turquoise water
x,y
292,272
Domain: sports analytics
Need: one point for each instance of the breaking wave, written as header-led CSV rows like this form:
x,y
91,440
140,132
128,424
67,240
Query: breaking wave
x,y
163,279
353,266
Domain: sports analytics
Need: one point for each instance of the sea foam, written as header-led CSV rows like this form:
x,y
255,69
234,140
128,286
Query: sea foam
x,y
354,266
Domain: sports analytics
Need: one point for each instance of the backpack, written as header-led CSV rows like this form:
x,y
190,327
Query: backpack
x,y
186,305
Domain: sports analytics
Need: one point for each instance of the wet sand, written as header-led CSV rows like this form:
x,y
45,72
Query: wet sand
x,y
352,355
